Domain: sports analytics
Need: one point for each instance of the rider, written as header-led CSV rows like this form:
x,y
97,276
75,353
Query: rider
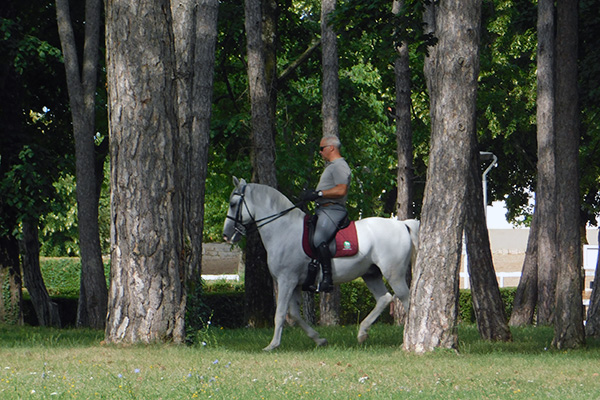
x,y
330,196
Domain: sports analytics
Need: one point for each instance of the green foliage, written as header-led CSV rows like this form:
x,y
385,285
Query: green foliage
x,y
357,302
227,309
589,92
506,101
62,275
58,234
466,312
197,313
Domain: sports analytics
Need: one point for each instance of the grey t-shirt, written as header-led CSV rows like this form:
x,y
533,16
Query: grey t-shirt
x,y
336,172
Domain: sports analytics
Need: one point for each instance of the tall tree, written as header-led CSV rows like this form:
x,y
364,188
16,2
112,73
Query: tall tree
x,y
568,321
35,144
330,302
46,310
404,137
526,294
538,277
82,91
195,34
146,301
454,65
487,302
261,22
545,195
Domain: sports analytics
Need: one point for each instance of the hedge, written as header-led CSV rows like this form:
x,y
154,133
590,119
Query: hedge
x,y
224,301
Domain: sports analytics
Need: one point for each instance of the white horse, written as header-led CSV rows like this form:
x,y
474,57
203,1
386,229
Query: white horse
x,y
385,248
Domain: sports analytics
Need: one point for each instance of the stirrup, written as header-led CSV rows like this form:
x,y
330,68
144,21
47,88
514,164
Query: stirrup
x,y
325,287
309,282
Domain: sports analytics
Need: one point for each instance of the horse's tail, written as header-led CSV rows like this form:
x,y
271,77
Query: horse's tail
x,y
413,228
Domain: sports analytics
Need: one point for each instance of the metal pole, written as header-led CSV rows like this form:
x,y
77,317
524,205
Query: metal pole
x,y
485,156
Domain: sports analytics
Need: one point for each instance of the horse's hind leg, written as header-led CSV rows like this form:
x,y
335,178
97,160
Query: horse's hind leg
x,y
374,282
294,312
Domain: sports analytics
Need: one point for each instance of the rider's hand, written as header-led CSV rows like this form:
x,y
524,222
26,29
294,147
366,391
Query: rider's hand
x,y
311,195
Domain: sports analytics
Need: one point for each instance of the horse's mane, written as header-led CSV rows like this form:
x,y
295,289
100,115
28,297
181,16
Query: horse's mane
x,y
267,193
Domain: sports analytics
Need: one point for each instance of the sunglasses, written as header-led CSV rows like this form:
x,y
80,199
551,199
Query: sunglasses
x,y
322,147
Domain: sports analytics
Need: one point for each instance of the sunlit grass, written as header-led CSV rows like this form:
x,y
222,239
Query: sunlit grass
x,y
57,364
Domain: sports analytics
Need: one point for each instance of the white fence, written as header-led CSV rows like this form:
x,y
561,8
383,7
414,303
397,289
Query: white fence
x,y
590,258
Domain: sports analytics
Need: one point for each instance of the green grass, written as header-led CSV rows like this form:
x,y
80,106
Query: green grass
x,y
64,364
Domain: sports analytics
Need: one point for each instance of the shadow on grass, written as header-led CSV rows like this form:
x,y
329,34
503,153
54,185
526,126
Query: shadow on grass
x,y
28,336
382,337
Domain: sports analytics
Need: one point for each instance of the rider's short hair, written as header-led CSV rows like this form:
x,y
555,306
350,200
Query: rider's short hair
x,y
332,141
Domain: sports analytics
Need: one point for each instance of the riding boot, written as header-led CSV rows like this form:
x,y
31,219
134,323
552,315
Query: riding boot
x,y
309,282
326,285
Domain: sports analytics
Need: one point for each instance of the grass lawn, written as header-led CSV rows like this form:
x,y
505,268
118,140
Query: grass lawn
x,y
64,364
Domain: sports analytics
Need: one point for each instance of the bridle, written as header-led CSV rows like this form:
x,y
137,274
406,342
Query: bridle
x,y
243,229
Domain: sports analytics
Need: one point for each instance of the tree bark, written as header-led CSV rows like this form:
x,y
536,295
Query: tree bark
x,y
195,32
329,302
545,195
146,296
568,321
11,311
431,321
404,181
45,309
526,295
592,323
82,91
330,85
487,302
261,23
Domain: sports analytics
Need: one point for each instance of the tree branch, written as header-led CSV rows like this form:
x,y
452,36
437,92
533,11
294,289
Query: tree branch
x,y
303,57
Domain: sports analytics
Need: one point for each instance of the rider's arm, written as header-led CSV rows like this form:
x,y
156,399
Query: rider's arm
x,y
336,192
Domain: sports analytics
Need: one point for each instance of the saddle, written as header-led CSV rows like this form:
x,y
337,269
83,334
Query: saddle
x,y
344,245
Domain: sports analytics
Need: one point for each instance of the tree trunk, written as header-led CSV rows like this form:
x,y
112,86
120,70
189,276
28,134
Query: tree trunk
x,y
195,33
329,302
545,194
146,295
404,182
330,86
431,321
261,22
487,302
592,323
308,307
526,295
11,311
45,309
568,321
82,91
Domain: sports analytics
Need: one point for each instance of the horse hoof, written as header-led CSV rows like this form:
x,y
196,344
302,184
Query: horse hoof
x,y
321,342
270,348
362,338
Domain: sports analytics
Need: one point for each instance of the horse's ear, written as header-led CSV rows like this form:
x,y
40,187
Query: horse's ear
x,y
238,182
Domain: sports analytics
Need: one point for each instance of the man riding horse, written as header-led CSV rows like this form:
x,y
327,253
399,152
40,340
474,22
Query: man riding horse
x,y
330,197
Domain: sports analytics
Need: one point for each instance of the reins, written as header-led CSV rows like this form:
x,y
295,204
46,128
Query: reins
x,y
257,222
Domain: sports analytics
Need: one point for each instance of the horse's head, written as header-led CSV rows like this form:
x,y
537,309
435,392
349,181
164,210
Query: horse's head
x,y
238,214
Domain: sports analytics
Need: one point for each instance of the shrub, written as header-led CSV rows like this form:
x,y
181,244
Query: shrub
x,y
62,274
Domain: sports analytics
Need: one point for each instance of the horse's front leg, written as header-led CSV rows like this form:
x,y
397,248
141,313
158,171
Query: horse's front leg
x,y
285,288
295,314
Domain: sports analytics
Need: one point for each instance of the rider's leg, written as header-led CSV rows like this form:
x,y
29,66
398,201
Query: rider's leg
x,y
309,282
325,260
328,220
